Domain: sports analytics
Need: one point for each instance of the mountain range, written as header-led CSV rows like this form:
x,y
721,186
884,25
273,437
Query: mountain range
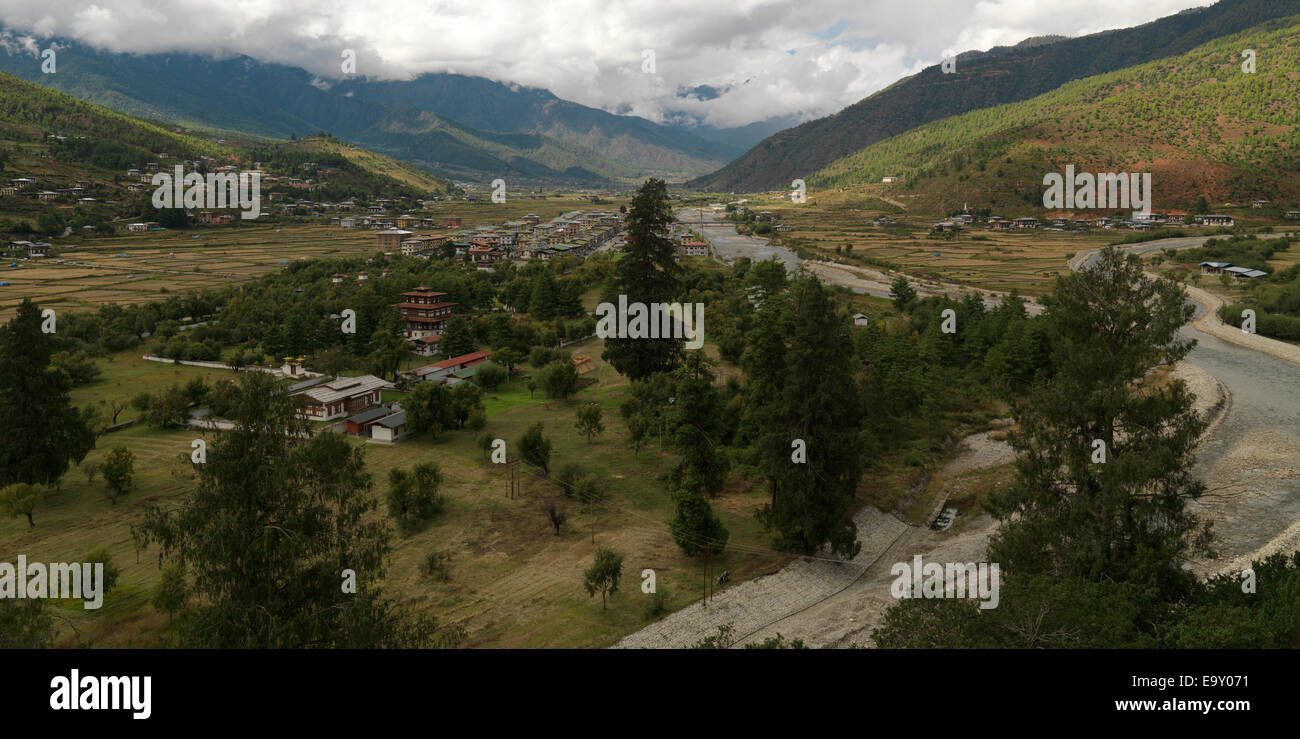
x,y
1199,123
980,80
462,127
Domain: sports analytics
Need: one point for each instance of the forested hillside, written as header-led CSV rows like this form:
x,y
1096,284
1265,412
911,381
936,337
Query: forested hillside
x,y
980,81
1197,122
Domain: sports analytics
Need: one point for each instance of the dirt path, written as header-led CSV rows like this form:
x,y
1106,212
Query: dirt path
x,y
1210,323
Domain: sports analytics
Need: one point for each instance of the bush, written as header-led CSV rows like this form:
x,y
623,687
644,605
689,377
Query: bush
x,y
413,497
490,375
476,421
559,379
568,476
540,356
111,571
535,449
436,566
658,604
118,469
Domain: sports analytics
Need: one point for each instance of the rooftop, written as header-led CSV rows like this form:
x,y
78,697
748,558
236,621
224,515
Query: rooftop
x,y
345,387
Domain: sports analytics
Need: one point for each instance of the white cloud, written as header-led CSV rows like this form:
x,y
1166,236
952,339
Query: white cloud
x,y
589,51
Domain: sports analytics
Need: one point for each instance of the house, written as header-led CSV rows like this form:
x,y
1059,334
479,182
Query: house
x,y
888,180
693,247
421,245
391,428
38,250
483,253
1293,215
425,346
1213,268
441,371
337,278
391,239
1216,220
454,221
1247,272
137,227
1260,204
359,425
461,375
861,319
1026,222
341,397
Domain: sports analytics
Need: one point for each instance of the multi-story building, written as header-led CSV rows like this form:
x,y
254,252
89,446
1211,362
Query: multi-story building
x,y
391,239
426,316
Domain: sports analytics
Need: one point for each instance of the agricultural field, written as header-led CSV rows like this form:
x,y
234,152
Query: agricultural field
x,y
132,268
1025,261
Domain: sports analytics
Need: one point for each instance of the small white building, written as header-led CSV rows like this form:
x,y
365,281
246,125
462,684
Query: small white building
x,y
391,429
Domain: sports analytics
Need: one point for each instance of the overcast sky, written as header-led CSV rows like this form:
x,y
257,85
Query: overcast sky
x,y
765,57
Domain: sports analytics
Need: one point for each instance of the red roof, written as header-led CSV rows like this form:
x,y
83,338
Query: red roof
x,y
462,359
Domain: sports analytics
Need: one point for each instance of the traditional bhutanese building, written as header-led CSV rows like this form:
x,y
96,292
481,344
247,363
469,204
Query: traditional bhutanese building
x,y
426,316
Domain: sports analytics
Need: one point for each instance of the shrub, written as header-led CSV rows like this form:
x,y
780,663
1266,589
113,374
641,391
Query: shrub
x,y
436,566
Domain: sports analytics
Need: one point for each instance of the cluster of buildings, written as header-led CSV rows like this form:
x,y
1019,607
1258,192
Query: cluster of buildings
x,y
28,186
357,400
1138,222
577,233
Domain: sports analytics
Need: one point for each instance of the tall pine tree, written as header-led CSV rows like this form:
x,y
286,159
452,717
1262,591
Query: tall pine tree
x,y
1103,475
647,272
41,434
804,397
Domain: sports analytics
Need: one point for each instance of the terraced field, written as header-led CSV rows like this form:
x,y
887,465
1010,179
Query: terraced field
x,y
139,267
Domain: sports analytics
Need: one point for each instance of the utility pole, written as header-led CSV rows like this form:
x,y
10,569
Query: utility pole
x,y
706,578
512,464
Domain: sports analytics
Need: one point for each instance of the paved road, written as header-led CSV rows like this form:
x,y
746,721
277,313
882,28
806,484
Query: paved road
x,y
1251,464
